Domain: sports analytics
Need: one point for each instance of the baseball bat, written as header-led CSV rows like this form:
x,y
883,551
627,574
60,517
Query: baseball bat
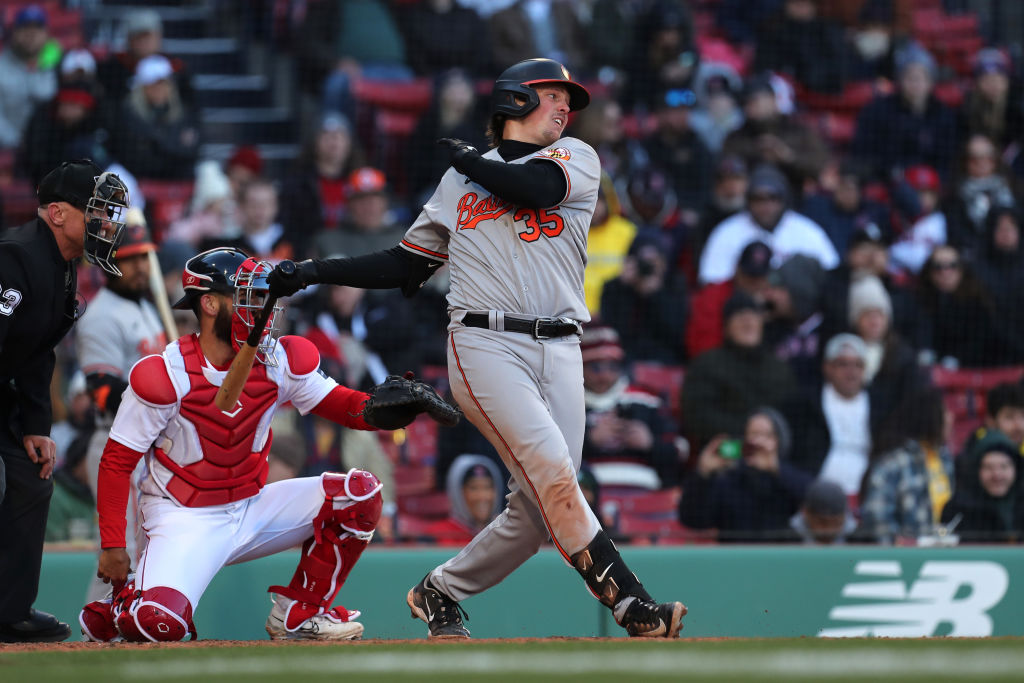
x,y
159,292
238,373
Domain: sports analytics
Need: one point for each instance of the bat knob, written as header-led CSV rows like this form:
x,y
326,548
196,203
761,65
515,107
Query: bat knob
x,y
287,267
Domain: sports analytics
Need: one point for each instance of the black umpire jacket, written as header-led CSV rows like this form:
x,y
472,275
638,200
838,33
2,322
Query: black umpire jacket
x,y
37,308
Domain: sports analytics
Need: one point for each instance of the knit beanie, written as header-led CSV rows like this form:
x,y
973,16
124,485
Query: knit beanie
x,y
868,293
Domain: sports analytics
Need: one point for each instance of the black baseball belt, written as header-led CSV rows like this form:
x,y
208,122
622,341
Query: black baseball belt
x,y
538,328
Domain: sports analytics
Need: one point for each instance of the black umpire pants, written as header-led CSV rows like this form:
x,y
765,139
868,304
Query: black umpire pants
x,y
23,512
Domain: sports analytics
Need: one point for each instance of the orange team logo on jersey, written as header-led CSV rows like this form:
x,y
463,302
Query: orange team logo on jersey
x,y
472,211
556,153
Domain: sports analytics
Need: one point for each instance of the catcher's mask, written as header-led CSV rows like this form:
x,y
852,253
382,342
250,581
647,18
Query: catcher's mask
x,y
251,292
101,195
230,271
520,80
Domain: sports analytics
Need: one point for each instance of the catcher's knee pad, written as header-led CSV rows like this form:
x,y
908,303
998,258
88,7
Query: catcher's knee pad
x,y
158,614
352,502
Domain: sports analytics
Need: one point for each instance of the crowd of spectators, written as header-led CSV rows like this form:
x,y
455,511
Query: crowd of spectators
x,y
803,276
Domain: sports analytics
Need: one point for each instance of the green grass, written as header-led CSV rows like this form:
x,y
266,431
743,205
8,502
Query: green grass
x,y
805,659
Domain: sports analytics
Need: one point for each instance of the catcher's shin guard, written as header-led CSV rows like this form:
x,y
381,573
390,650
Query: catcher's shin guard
x,y
159,614
341,531
605,572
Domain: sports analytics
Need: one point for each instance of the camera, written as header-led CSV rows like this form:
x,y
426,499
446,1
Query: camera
x,y
646,267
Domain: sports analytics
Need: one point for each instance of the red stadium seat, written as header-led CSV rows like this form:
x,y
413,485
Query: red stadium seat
x,y
412,480
662,380
662,532
433,505
413,528
421,440
408,95
166,202
964,393
19,202
651,504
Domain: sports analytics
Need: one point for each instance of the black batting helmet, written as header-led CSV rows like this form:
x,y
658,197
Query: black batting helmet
x,y
210,271
520,79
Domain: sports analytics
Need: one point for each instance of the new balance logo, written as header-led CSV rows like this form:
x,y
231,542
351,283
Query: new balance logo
x,y
947,598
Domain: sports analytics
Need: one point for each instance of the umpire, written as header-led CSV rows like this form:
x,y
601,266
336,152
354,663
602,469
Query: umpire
x,y
80,212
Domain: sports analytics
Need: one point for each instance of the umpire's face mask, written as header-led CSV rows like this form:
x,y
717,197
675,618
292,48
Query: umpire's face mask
x,y
104,221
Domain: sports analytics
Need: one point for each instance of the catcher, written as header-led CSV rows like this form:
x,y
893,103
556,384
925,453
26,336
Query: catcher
x,y
203,500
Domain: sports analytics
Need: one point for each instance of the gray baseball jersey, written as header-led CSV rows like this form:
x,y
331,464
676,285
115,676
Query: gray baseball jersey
x,y
508,258
113,334
524,394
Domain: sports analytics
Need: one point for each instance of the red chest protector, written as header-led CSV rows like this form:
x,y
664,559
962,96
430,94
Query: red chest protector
x,y
230,470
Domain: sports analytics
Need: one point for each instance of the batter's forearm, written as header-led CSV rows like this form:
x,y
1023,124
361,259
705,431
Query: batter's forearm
x,y
535,185
395,268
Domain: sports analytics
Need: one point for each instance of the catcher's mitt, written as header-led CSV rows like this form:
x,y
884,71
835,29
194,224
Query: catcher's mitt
x,y
396,402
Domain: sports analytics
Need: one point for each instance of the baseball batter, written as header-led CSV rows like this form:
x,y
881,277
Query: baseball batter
x,y
119,327
512,226
203,500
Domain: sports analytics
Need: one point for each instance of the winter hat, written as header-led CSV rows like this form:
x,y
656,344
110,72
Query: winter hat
x,y
802,277
211,185
601,343
825,497
781,427
843,344
868,293
740,301
915,53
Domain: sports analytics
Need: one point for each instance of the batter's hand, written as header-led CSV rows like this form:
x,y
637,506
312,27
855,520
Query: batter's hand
x,y
460,152
285,284
114,566
42,451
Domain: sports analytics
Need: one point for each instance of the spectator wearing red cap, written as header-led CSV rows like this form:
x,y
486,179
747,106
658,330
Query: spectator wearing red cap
x,y
627,440
368,226
244,164
67,127
929,225
26,77
313,196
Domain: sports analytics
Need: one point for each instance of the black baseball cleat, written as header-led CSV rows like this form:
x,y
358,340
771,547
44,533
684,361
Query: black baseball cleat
x,y
648,619
442,614
39,627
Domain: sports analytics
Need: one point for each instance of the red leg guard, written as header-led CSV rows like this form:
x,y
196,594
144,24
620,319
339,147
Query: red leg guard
x,y
156,615
341,531
97,621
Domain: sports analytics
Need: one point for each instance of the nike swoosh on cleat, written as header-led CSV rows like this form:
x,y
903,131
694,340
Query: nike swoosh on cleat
x,y
600,577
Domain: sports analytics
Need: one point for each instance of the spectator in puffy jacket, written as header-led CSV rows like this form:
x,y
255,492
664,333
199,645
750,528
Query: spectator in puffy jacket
x,y
988,506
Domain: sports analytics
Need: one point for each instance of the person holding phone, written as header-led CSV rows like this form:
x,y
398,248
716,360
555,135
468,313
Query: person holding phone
x,y
745,487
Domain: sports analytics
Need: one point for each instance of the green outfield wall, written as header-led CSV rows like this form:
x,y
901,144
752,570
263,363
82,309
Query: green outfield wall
x,y
741,591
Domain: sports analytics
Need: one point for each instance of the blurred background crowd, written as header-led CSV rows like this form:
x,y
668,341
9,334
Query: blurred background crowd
x,y
805,267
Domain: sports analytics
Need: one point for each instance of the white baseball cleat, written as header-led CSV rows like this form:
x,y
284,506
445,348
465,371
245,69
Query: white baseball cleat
x,y
286,622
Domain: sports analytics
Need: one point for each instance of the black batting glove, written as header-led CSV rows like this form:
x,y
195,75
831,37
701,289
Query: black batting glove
x,y
285,284
462,153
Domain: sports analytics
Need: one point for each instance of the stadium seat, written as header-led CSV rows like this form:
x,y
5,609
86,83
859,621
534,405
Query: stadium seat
x,y
166,202
433,505
19,202
421,441
661,531
651,504
412,480
665,381
413,528
964,393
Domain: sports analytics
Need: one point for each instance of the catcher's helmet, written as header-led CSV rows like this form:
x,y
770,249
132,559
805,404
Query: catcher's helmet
x,y
229,271
211,271
520,79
